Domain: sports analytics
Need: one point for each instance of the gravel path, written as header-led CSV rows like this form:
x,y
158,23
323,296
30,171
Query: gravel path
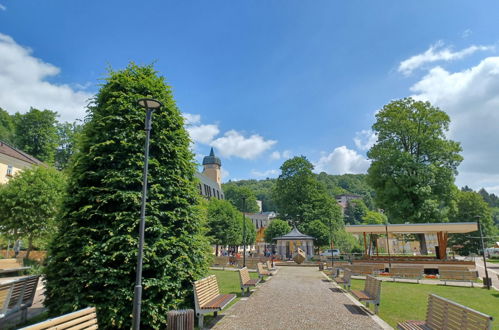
x,y
296,298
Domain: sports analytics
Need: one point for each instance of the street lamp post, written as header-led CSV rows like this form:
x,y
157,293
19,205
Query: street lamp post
x,y
150,105
244,232
387,242
483,252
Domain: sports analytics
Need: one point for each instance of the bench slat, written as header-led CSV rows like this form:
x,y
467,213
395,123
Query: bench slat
x,y
61,320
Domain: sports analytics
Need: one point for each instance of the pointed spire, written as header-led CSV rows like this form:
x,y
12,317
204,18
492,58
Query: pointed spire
x,y
212,159
212,153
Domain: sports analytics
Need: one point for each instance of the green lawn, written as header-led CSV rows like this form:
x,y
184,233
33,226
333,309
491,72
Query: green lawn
x,y
407,301
494,261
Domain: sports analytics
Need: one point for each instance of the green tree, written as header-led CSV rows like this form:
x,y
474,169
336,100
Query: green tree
x,y
276,228
413,163
236,195
93,256
249,236
470,205
374,218
67,136
354,212
318,230
224,224
36,134
30,203
301,198
7,128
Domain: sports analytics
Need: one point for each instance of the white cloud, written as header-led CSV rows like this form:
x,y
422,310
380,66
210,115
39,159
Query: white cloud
x,y
342,160
264,174
2,7
191,119
203,133
234,143
471,99
23,84
276,155
365,139
437,53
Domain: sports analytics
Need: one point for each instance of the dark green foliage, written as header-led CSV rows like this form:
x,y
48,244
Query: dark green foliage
x,y
262,189
470,205
36,134
276,228
355,212
374,218
249,236
30,203
93,257
490,199
7,127
413,163
236,195
318,230
224,223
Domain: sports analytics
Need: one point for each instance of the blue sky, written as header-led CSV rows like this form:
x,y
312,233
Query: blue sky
x,y
262,81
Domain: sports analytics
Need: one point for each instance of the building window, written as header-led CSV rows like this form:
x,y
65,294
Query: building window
x,y
10,170
200,189
218,194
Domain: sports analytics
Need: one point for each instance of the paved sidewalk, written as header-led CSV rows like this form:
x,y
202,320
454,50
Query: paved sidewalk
x,y
296,298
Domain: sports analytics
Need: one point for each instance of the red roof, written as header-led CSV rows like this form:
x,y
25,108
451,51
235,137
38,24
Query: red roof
x,y
18,154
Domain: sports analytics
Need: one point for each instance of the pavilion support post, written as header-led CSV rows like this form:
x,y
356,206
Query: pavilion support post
x,y
365,246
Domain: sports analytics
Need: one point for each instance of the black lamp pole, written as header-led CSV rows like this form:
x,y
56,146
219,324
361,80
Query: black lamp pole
x,y
150,105
244,232
483,252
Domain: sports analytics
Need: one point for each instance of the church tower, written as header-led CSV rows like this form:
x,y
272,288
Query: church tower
x,y
212,166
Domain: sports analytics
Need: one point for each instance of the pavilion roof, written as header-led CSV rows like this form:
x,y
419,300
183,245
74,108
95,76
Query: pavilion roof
x,y
295,234
415,228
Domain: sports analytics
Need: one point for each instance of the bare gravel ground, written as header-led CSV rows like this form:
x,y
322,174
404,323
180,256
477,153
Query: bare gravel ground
x,y
296,298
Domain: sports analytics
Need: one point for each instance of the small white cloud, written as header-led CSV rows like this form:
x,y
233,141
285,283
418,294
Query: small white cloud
x,y
276,155
342,160
191,119
264,174
437,53
203,133
466,33
23,84
365,139
2,7
234,143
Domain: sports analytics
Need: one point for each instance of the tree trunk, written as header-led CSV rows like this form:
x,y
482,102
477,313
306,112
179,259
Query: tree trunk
x,y
422,244
30,246
216,250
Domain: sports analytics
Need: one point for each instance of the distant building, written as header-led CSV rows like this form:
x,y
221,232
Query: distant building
x,y
261,221
345,198
13,160
210,184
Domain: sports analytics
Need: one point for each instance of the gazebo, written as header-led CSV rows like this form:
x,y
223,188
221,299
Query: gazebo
x,y
287,244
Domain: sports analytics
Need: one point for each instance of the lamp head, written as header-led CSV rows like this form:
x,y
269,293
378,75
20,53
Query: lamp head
x,y
149,103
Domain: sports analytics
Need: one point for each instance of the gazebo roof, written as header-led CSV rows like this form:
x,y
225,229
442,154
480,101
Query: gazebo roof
x,y
415,228
295,234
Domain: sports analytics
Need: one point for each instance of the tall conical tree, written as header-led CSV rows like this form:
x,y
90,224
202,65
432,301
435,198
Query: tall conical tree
x,y
93,257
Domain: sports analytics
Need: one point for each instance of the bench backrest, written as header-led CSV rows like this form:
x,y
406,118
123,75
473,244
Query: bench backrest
x,y
260,268
347,274
244,276
407,271
17,294
269,264
461,275
10,263
446,314
206,289
82,319
372,287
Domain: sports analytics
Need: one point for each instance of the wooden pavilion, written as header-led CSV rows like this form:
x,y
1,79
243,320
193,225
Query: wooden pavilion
x,y
442,230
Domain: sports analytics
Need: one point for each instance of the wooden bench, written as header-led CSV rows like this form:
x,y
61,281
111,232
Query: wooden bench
x,y
365,269
262,271
412,272
246,281
208,299
17,296
82,319
11,265
442,313
371,292
345,279
269,265
462,275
